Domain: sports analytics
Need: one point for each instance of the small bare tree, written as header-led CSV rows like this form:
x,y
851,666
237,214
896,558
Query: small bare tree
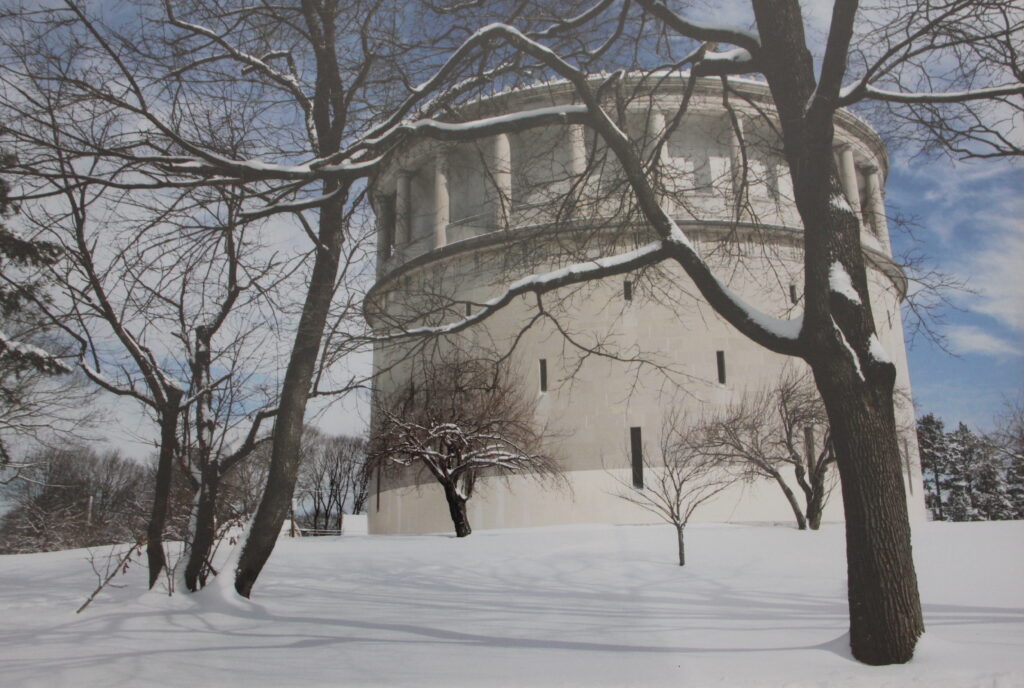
x,y
768,430
675,489
460,421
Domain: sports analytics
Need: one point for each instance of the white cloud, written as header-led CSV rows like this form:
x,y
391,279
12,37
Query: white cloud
x,y
967,339
997,273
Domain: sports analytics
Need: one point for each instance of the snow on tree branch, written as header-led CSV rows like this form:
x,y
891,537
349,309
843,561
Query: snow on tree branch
x,y
859,91
702,31
31,356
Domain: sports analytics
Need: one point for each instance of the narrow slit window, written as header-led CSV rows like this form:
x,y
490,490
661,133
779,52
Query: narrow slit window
x,y
636,448
543,374
627,290
389,224
720,360
792,293
906,462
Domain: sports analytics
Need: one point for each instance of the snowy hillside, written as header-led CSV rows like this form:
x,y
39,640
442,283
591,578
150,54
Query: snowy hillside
x,y
586,606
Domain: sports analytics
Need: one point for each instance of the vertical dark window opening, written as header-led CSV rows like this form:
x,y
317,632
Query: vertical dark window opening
x,y
378,485
627,290
390,222
636,447
720,359
543,375
792,293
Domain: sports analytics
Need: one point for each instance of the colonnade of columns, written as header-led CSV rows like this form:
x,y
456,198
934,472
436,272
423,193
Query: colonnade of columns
x,y
872,216
500,178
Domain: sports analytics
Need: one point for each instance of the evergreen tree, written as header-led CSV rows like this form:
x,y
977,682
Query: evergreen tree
x,y
1009,442
965,461
1015,485
934,448
21,289
991,496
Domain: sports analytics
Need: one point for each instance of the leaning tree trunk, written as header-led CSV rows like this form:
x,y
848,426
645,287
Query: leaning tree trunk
x,y
885,609
155,555
197,569
285,450
328,111
457,509
801,522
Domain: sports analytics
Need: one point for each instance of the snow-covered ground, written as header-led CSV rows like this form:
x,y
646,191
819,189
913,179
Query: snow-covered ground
x,y
586,606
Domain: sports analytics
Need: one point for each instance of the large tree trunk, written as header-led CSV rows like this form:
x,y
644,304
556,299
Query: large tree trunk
x,y
197,569
457,509
285,455
885,609
155,555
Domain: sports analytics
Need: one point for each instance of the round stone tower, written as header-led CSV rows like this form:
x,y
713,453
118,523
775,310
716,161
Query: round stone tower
x,y
611,363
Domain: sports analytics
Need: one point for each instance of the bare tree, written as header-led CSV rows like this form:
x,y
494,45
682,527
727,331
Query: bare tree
x,y
74,497
153,311
685,478
332,479
39,396
458,421
769,430
320,93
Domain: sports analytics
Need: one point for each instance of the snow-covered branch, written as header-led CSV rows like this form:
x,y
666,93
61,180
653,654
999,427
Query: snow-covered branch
x,y
702,31
861,91
543,283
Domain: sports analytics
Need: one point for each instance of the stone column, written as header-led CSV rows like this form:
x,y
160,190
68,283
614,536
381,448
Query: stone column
x,y
736,144
656,129
403,208
848,178
501,173
577,150
441,200
876,206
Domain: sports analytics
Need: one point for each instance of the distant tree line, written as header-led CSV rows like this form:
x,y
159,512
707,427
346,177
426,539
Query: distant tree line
x,y
970,476
71,495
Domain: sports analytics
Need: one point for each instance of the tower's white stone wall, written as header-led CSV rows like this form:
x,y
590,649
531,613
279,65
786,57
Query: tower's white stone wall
x,y
459,222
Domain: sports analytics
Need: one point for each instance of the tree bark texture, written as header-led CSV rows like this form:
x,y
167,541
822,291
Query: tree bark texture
x,y
885,610
155,555
196,570
457,509
682,545
816,500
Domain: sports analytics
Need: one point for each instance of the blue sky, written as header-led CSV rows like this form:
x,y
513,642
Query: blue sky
x,y
970,223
